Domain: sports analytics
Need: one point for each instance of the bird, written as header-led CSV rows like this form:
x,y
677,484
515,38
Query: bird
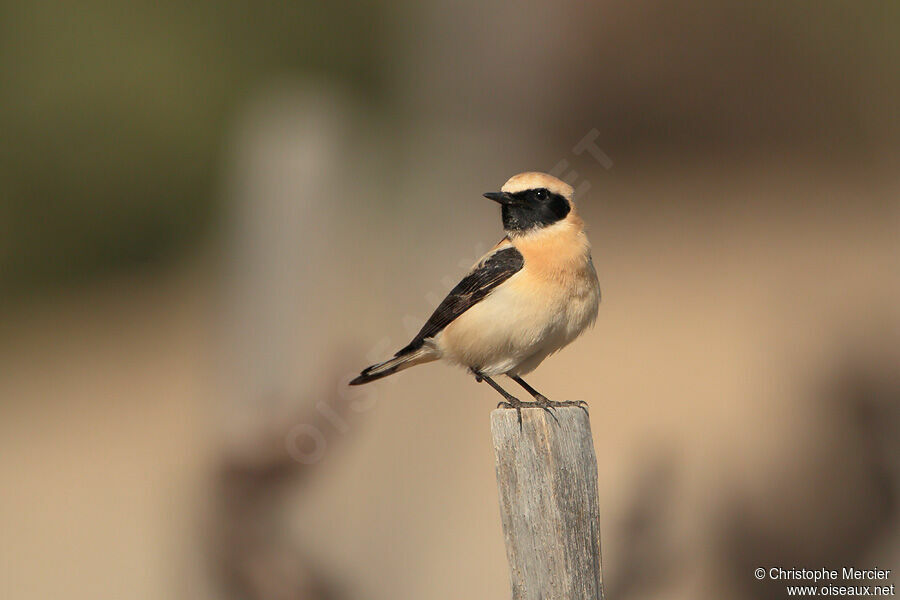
x,y
529,296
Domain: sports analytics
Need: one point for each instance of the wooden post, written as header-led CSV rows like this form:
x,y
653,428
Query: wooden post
x,y
547,478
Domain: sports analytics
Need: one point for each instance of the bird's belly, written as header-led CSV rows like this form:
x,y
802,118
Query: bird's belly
x,y
516,325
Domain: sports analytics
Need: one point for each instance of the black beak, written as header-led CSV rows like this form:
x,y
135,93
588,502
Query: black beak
x,y
501,197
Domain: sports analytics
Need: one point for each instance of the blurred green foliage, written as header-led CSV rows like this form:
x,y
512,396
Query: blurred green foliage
x,y
112,117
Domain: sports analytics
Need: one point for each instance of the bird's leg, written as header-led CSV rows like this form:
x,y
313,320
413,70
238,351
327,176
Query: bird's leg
x,y
511,401
542,400
539,399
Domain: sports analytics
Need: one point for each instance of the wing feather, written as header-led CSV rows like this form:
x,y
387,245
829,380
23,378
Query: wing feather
x,y
493,270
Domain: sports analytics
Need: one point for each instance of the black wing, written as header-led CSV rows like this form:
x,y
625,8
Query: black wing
x,y
474,287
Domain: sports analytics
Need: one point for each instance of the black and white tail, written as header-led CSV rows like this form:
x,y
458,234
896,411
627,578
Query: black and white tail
x,y
404,359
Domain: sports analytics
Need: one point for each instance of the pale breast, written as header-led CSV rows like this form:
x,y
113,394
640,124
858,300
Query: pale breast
x,y
528,315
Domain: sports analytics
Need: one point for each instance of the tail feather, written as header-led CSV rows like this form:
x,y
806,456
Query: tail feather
x,y
399,362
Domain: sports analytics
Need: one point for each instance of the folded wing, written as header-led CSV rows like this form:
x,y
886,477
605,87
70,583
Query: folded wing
x,y
491,271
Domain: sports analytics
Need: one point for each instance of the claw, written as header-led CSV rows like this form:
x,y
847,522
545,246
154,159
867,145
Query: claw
x,y
550,411
547,406
516,405
546,403
582,405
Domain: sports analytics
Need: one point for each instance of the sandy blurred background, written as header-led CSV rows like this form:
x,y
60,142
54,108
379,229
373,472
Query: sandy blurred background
x,y
214,213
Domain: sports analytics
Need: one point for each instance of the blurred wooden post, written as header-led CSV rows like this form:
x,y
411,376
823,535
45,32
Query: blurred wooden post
x,y
547,477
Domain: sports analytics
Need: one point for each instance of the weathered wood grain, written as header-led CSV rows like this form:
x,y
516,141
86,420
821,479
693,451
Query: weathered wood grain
x,y
547,478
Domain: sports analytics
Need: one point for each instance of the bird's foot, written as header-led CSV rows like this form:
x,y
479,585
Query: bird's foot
x,y
548,404
513,402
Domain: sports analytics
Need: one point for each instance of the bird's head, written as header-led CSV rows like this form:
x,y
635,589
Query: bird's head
x,y
532,201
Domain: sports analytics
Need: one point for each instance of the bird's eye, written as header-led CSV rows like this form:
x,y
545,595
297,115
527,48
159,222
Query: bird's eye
x,y
541,194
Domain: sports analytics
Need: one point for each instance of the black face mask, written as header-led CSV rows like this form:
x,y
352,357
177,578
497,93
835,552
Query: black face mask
x,y
531,209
